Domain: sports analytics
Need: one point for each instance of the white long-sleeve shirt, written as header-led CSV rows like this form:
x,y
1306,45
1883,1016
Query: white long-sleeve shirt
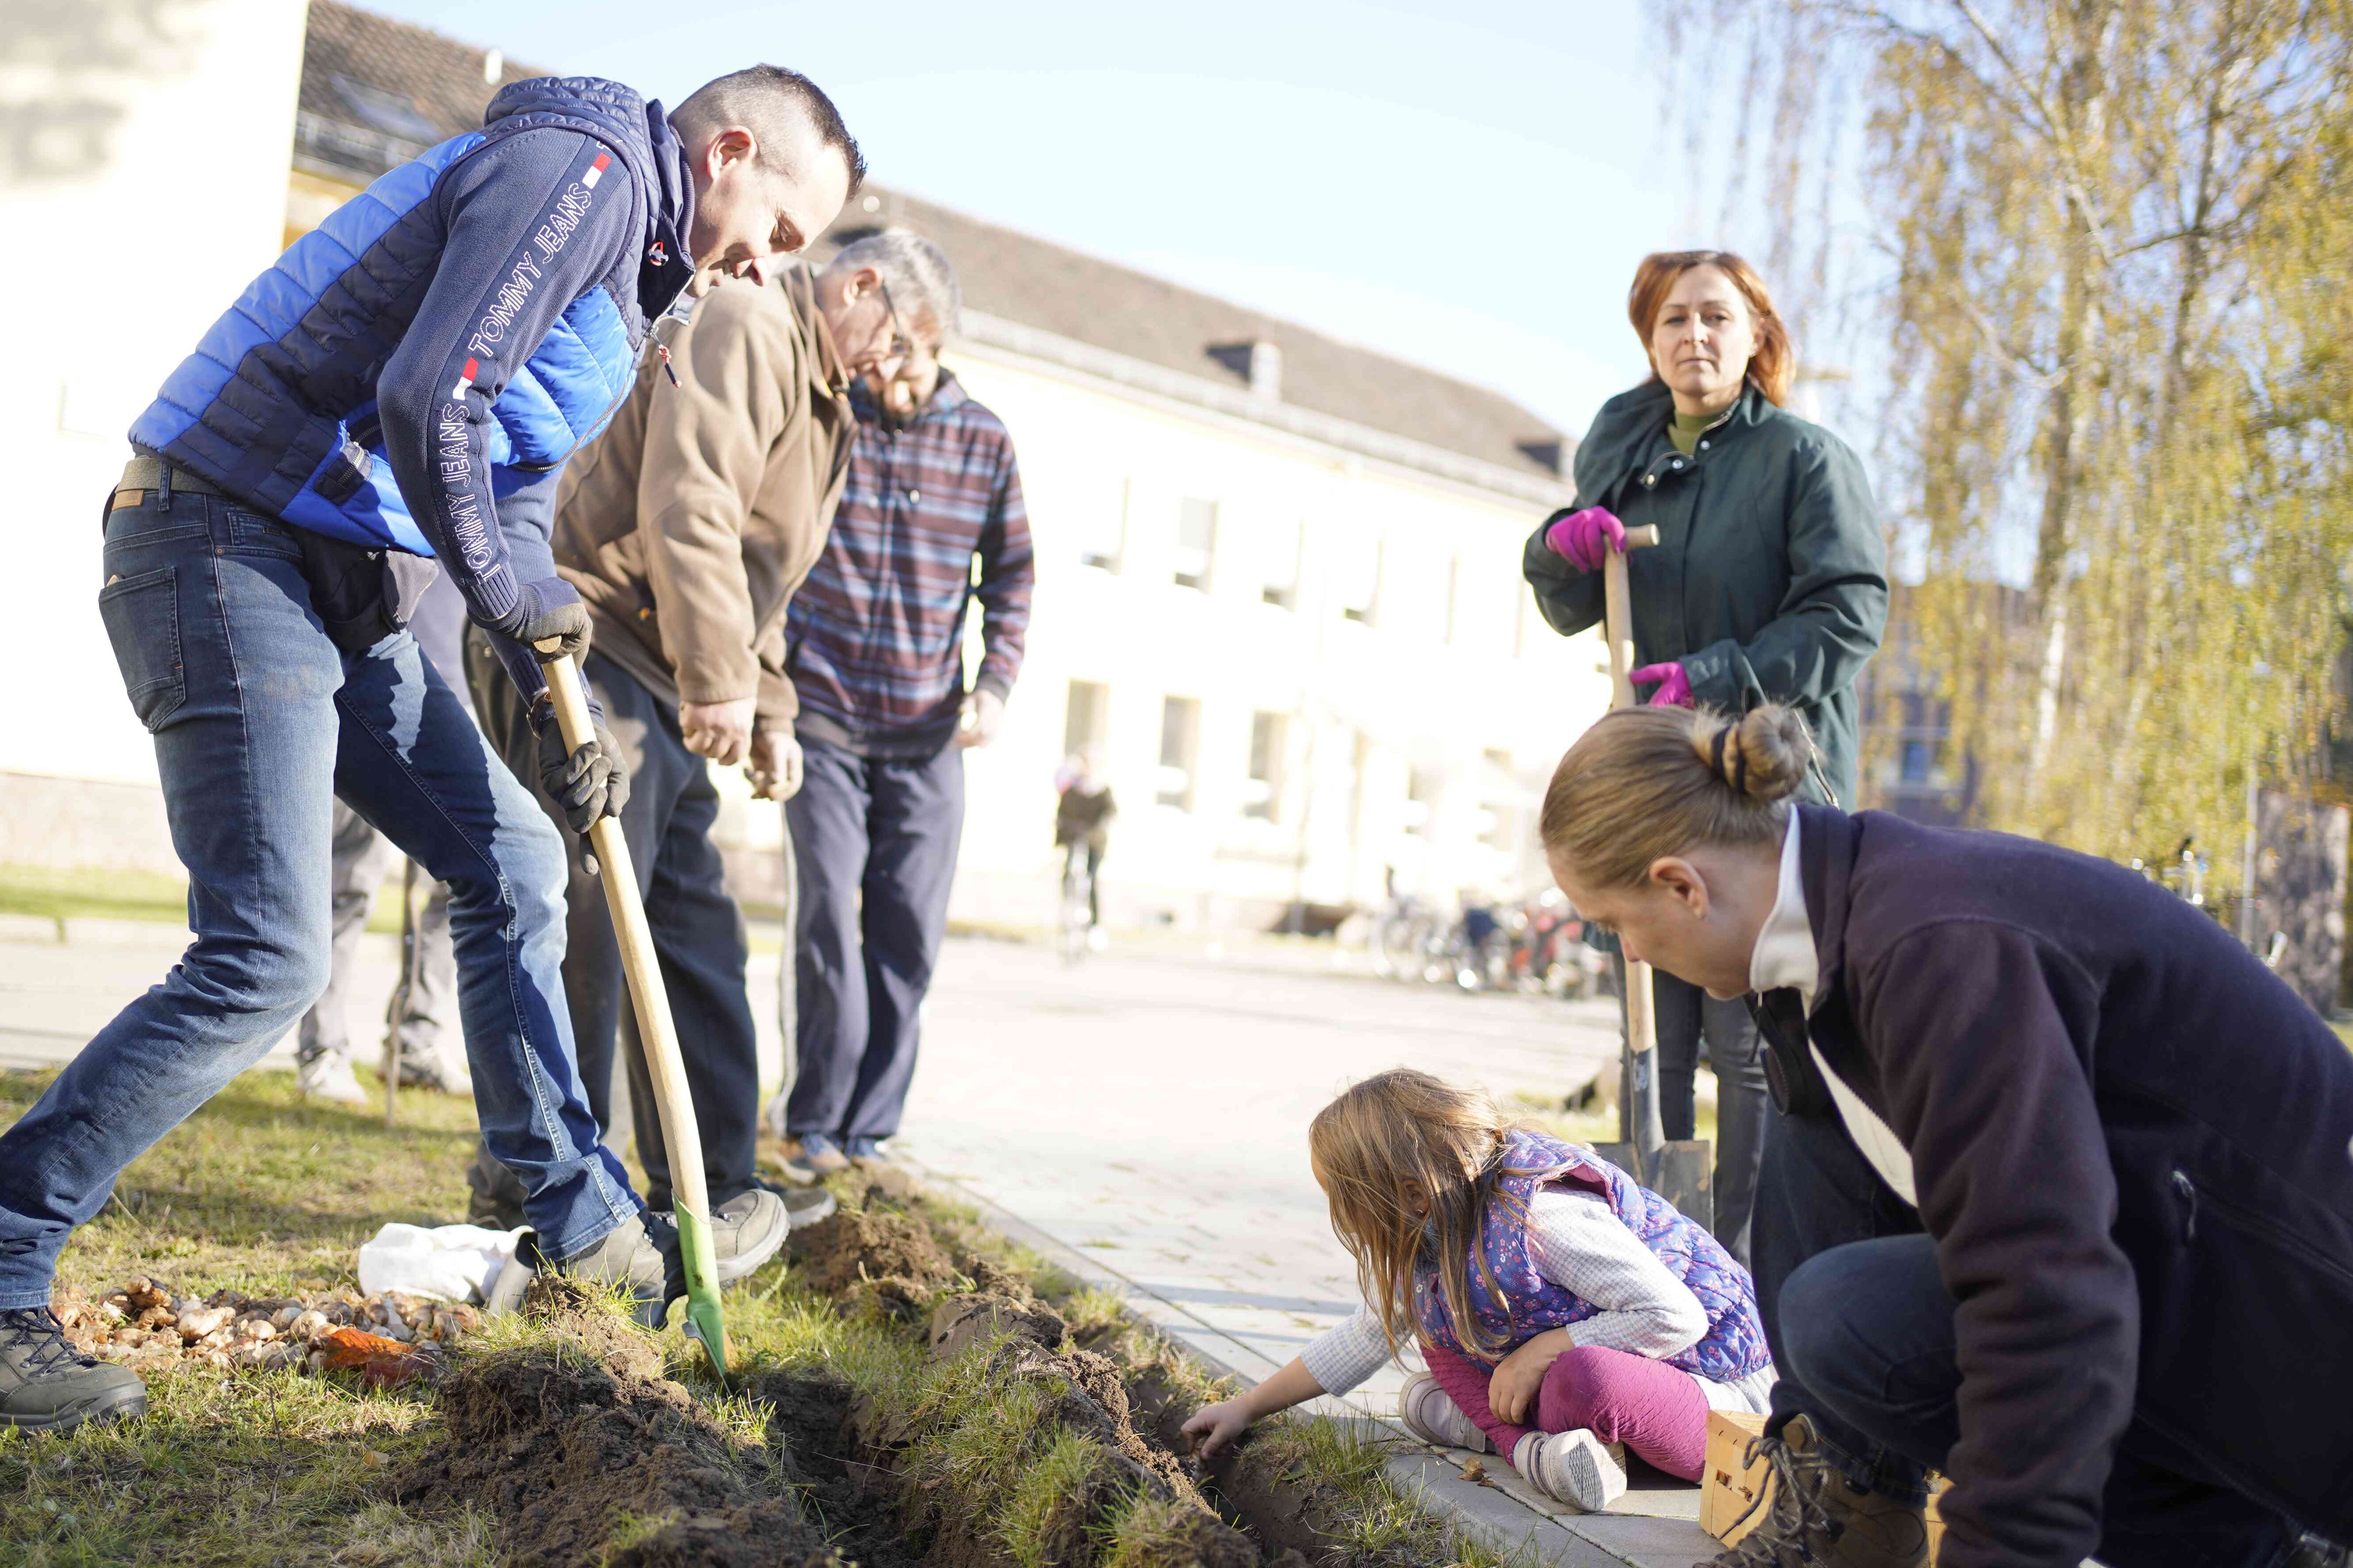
x,y
1579,1243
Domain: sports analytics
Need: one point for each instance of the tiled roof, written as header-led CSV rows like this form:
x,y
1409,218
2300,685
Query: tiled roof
x,y
1054,288
375,91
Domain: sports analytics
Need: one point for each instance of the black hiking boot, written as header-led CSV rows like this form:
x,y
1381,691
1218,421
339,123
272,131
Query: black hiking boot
x,y
1816,1518
47,1385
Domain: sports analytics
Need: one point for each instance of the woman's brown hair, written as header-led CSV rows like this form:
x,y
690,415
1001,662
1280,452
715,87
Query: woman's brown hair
x,y
1775,362
1645,782
1404,1126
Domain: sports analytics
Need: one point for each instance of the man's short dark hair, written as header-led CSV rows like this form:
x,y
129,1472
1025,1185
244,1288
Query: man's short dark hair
x,y
765,101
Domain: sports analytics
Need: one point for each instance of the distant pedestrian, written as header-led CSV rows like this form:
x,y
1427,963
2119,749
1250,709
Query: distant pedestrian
x,y
1082,815
876,651
432,1049
1769,584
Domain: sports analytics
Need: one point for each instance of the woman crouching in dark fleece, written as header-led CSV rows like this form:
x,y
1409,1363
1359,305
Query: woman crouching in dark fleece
x,y
2059,1200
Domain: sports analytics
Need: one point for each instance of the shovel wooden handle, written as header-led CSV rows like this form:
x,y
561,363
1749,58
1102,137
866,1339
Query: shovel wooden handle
x,y
656,1031
1647,1131
1618,614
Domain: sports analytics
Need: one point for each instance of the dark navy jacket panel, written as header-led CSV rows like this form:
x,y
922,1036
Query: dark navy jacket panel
x,y
2134,1147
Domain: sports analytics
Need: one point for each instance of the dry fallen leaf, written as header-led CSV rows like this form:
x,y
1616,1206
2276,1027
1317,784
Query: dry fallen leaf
x,y
1476,1470
381,1363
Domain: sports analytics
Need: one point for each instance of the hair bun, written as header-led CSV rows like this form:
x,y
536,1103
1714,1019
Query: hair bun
x,y
1762,755
1766,753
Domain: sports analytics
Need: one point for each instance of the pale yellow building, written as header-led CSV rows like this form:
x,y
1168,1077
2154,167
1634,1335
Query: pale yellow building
x,y
1278,576
142,183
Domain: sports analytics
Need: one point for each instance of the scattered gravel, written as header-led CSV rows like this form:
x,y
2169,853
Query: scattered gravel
x,y
146,1326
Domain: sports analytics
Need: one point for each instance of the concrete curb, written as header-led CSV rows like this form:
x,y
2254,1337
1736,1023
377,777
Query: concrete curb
x,y
1503,1515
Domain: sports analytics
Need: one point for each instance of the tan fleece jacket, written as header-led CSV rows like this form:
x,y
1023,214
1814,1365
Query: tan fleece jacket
x,y
688,524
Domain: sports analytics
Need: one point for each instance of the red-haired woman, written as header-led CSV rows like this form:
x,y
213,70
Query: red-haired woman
x,y
1768,584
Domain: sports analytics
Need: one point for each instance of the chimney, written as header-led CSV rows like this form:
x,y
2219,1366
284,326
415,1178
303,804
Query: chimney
x,y
1266,370
494,66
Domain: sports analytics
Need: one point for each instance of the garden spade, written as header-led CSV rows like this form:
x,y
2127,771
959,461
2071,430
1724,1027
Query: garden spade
x,y
657,1035
1679,1172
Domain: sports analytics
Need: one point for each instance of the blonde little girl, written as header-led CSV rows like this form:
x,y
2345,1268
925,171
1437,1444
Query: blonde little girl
x,y
1565,1313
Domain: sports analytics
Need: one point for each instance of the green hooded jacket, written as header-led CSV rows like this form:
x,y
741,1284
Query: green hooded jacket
x,y
1769,579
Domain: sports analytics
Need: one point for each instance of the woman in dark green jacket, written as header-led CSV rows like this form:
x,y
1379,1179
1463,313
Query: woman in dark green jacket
x,y
1768,584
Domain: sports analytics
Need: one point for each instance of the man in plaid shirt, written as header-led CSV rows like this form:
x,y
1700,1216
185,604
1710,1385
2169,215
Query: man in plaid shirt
x,y
875,650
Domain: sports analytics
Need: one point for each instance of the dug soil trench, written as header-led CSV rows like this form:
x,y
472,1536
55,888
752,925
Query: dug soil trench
x,y
910,1396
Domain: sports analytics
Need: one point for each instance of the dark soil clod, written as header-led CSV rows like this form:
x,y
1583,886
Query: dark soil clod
x,y
585,1454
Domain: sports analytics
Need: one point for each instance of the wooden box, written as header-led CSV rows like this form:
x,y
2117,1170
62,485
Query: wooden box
x,y
1726,1486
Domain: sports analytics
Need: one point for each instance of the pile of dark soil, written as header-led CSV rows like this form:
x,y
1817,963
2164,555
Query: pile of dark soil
x,y
891,1256
585,1454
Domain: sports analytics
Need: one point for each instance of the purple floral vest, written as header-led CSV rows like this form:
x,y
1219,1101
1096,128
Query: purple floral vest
x,y
1732,1347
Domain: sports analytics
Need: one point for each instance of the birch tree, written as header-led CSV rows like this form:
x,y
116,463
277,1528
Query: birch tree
x,y
2110,241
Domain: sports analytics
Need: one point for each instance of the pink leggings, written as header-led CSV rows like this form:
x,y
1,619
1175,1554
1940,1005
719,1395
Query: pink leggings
x,y
1657,1411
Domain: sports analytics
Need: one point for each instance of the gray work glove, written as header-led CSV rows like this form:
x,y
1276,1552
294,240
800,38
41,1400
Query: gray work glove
x,y
567,621
585,784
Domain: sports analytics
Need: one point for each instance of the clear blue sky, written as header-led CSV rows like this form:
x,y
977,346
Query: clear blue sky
x,y
1469,194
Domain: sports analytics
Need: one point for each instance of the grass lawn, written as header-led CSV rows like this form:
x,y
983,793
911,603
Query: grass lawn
x,y
266,1194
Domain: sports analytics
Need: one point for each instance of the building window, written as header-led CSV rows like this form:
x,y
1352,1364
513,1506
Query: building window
x,y
1197,542
1421,801
1919,761
1280,587
1085,717
1263,796
1102,537
1180,742
1360,588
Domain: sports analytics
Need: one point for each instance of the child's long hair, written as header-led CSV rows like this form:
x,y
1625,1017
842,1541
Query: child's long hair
x,y
1404,1126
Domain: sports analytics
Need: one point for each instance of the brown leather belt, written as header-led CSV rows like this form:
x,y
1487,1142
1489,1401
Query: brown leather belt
x,y
143,476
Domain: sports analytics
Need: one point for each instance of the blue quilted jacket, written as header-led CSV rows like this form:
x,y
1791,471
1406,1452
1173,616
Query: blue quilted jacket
x,y
413,372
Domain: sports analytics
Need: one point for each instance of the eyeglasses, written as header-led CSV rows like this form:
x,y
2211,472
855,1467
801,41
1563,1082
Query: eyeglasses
x,y
901,347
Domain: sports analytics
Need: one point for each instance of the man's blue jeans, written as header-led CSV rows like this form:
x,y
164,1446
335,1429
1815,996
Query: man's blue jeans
x,y
259,721
1863,1335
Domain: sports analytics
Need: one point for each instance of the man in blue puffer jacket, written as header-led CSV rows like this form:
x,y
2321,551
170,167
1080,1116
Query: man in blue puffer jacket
x,y
402,388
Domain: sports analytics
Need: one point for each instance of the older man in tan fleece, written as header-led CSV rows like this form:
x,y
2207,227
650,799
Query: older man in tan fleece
x,y
685,530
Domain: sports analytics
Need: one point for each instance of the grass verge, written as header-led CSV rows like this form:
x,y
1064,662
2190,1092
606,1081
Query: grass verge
x,y
1029,1453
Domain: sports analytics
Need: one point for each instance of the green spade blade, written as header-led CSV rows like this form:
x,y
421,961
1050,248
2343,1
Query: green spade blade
x,y
702,1318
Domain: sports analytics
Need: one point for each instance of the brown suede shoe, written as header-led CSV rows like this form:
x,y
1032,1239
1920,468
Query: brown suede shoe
x,y
1816,1518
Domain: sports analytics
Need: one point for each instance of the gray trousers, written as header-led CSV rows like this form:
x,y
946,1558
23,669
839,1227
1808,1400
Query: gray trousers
x,y
362,857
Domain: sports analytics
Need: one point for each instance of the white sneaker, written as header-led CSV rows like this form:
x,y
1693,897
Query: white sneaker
x,y
328,1078
1431,1414
1098,939
440,1067
1572,1468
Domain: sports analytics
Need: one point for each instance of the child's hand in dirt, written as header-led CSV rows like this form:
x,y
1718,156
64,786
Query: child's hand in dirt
x,y
1213,1427
1512,1390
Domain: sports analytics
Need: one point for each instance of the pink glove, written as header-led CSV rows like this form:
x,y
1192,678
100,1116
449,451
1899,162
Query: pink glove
x,y
1584,538
1674,687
